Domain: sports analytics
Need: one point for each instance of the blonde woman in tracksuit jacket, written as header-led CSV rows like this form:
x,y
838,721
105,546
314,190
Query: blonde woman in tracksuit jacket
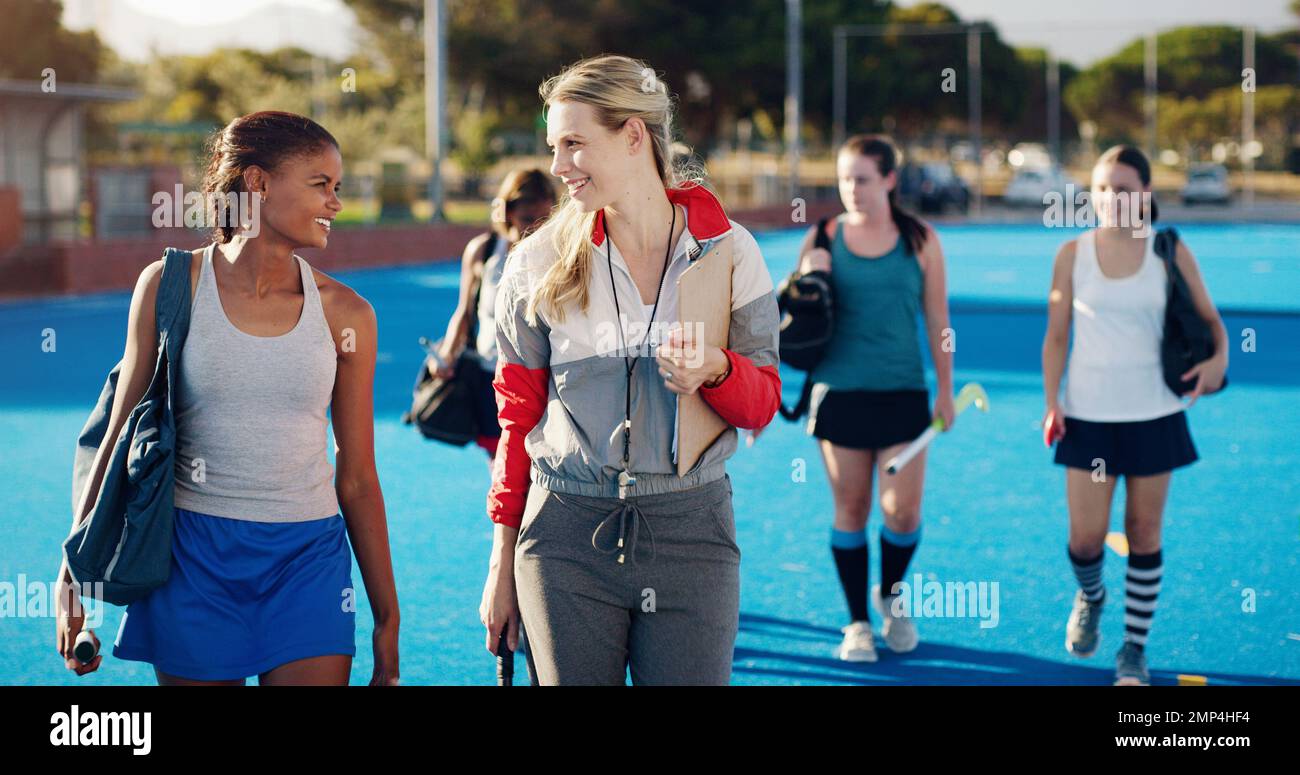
x,y
612,560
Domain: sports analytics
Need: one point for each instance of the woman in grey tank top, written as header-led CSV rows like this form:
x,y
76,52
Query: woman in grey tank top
x,y
521,205
869,396
260,582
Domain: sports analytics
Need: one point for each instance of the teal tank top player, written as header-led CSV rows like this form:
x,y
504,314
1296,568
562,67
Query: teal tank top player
x,y
869,390
869,398
875,344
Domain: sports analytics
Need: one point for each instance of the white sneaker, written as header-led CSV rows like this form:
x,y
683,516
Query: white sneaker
x,y
898,631
859,644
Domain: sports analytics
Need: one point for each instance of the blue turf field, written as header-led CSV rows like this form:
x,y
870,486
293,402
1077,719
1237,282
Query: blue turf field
x,y
994,509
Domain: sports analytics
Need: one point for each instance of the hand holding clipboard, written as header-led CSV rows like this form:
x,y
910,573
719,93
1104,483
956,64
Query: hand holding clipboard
x,y
703,307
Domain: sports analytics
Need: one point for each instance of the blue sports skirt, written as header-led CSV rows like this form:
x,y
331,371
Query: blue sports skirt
x,y
244,597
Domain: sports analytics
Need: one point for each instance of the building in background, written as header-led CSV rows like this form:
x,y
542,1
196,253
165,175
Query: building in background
x,y
43,159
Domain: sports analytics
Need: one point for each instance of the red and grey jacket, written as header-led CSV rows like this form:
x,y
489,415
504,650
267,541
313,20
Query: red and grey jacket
x,y
560,385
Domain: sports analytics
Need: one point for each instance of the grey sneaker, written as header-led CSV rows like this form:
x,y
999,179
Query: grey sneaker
x,y
1131,666
898,631
1081,635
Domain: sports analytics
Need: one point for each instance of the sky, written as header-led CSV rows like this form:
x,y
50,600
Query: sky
x,y
196,11
1083,32
1076,32
135,29
81,13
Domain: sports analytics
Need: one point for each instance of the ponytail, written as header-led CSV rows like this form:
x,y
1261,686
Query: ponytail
x,y
908,225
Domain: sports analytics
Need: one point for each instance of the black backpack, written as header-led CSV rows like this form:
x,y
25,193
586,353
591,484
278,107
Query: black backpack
x,y
1187,338
807,306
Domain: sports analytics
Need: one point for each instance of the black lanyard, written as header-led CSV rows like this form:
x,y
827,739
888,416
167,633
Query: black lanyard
x,y
625,477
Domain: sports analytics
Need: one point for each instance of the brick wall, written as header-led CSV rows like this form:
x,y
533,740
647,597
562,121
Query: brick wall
x,y
11,218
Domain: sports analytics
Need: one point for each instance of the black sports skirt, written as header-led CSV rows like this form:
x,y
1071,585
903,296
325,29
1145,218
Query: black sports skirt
x,y
1143,448
871,419
485,407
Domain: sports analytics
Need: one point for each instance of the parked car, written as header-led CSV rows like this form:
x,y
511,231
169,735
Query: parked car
x,y
1032,155
932,187
1207,183
1031,185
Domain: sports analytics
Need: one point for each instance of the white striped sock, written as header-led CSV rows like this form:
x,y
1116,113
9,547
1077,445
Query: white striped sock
x,y
1141,588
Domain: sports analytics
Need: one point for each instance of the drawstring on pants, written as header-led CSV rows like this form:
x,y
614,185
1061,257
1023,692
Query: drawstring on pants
x,y
622,511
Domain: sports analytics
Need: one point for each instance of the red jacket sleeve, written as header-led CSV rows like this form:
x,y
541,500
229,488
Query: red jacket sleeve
x,y
521,401
749,396
522,382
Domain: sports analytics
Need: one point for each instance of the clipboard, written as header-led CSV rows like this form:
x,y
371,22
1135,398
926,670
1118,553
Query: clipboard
x,y
704,300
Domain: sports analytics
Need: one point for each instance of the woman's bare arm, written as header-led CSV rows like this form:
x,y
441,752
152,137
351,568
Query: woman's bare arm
x,y
471,268
138,361
812,258
356,480
937,319
1056,341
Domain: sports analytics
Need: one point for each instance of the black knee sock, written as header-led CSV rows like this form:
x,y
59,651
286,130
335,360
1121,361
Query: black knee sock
x,y
1088,573
896,550
849,548
1141,585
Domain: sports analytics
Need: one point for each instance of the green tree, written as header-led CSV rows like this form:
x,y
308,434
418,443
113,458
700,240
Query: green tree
x,y
475,150
1194,125
1033,123
33,38
725,60
1192,62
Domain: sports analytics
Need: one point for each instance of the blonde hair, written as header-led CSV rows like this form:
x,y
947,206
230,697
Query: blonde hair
x,y
619,88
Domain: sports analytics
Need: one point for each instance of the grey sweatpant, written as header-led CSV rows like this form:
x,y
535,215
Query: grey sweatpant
x,y
669,612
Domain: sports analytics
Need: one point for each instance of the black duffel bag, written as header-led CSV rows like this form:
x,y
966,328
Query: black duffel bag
x,y
446,409
1187,339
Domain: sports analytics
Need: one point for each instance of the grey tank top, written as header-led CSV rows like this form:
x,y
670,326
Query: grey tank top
x,y
251,429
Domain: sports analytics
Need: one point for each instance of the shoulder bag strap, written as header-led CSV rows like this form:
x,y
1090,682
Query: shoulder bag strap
x,y
172,306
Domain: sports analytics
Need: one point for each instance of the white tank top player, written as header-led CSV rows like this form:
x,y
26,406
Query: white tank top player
x,y
1114,372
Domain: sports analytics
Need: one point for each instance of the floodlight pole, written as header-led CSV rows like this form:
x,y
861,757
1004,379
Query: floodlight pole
x,y
435,95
